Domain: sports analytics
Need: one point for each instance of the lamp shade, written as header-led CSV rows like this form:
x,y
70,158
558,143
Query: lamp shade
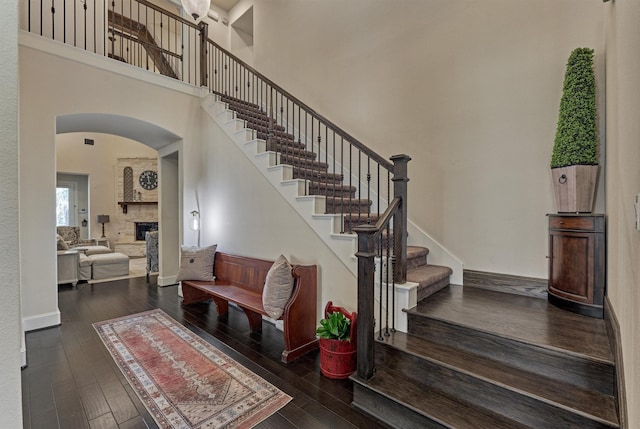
x,y
103,219
196,8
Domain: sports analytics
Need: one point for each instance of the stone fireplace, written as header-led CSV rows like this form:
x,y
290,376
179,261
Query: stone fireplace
x,y
141,229
134,216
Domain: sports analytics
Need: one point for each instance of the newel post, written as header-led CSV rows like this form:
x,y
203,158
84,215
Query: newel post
x,y
204,34
366,319
400,179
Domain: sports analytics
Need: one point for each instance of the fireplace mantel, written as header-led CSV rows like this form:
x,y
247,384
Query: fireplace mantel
x,y
124,204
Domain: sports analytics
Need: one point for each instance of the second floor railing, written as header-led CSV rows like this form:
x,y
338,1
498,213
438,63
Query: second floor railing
x,y
137,32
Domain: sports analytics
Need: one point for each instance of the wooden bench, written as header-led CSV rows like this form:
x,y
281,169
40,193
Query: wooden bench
x,y
240,280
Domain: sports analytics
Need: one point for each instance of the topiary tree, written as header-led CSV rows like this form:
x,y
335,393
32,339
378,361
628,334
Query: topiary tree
x,y
576,141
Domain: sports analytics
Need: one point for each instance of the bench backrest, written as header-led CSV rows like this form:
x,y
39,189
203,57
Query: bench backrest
x,y
249,273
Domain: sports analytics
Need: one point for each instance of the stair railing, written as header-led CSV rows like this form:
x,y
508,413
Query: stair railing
x,y
342,155
374,242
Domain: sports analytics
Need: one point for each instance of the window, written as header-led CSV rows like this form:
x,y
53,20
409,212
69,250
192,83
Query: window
x,y
66,204
62,207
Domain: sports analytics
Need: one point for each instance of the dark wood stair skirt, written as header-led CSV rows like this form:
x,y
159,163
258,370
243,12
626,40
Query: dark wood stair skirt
x,y
476,358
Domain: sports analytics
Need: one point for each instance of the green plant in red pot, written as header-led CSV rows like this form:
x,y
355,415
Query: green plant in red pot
x,y
337,333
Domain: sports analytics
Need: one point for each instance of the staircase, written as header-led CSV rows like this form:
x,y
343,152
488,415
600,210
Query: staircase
x,y
475,358
333,197
340,198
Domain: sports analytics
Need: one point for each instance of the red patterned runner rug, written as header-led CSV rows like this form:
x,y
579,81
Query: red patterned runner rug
x,y
184,381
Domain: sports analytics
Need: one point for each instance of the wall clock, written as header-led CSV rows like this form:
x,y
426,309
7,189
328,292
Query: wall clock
x,y
149,179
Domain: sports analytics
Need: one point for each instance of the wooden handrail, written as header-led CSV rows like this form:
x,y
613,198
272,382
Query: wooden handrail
x,y
367,151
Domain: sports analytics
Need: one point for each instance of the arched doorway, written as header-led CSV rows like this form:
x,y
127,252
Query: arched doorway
x,y
168,147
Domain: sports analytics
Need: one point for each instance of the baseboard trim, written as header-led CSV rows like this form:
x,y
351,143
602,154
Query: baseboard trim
x,y
41,321
613,331
507,283
167,281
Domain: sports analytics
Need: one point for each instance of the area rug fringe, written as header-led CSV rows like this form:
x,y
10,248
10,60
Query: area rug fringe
x,y
184,381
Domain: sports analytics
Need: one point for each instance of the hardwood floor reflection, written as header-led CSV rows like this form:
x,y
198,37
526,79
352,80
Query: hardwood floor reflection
x,y
71,381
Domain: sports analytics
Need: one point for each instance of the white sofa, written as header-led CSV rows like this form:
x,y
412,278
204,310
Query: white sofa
x,y
91,260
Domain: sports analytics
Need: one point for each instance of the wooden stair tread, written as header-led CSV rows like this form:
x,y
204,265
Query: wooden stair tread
x,y
588,403
522,318
442,408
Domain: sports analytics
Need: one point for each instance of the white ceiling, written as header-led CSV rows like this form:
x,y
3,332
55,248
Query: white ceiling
x,y
225,4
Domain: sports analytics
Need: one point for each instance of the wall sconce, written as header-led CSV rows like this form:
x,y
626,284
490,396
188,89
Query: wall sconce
x,y
195,221
103,219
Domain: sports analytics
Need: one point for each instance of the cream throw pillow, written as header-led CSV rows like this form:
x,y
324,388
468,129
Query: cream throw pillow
x,y
196,263
62,245
278,286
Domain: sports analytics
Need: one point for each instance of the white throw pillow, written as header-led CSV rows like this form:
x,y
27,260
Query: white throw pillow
x,y
278,286
62,245
196,263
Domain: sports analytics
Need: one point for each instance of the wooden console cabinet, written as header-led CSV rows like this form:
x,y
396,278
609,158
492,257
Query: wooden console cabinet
x,y
577,274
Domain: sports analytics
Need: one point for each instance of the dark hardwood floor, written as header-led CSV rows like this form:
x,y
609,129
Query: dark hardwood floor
x,y
71,381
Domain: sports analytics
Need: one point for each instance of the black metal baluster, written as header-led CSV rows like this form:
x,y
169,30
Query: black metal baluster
x,y
84,6
41,19
358,181
386,323
379,324
341,181
53,20
368,188
95,43
64,21
326,160
393,292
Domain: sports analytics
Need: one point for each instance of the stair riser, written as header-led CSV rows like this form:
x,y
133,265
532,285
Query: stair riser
x,y
291,151
346,207
501,400
264,134
571,369
304,163
318,176
259,125
336,193
428,290
389,411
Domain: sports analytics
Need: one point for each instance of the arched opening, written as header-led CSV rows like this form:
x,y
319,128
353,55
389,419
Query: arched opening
x,y
166,146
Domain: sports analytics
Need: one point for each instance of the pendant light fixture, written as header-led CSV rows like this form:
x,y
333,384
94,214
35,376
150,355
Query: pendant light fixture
x,y
196,8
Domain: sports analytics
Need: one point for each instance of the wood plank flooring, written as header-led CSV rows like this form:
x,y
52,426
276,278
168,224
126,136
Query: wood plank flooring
x,y
71,381
522,318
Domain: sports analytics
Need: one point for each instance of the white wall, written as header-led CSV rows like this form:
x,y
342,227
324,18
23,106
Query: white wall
x,y
242,213
214,177
470,90
98,162
10,325
623,183
76,90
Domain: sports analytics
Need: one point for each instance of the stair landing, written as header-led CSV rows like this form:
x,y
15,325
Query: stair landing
x,y
526,319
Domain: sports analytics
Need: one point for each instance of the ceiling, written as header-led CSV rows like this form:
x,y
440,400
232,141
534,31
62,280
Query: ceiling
x,y
225,4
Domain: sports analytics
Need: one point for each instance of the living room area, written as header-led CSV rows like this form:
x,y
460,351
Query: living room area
x,y
106,202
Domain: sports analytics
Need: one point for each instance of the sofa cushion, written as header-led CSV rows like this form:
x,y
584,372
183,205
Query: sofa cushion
x,y
61,244
277,287
94,250
196,263
107,265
